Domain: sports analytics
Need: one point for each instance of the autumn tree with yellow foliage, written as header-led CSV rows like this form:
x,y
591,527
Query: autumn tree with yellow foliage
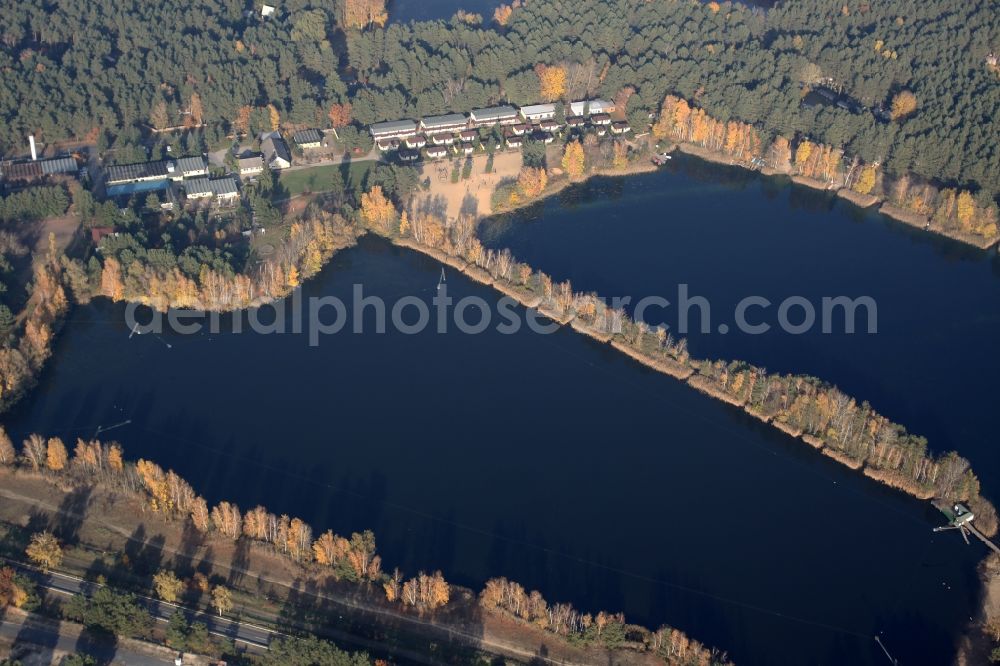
x,y
866,180
167,585
359,14
44,551
573,159
551,81
426,593
502,14
903,104
531,182
56,455
377,211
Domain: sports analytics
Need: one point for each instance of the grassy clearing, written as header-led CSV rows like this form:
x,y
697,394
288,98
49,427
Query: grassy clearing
x,y
319,178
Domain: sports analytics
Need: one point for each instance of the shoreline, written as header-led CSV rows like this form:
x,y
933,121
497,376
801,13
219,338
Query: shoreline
x,y
688,375
111,517
864,201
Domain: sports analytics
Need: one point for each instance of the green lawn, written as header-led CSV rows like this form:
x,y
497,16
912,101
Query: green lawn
x,y
318,179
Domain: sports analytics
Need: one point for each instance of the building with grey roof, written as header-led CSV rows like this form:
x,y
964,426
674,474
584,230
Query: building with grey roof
x,y
446,123
188,167
136,173
308,138
502,115
223,189
58,165
250,166
393,129
276,152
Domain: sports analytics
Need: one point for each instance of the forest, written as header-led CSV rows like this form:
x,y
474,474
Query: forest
x,y
925,100
353,559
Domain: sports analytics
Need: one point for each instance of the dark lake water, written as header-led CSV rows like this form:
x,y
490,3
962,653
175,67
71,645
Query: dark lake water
x,y
729,233
552,460
404,11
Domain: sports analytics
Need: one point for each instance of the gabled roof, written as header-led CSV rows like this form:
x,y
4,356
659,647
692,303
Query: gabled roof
x,y
494,113
447,120
191,164
123,172
308,136
275,147
250,162
393,126
59,165
214,186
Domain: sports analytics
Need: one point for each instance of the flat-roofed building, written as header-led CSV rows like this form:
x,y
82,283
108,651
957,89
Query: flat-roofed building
x,y
548,125
601,119
514,142
190,167
620,127
451,122
590,107
223,190
494,115
575,121
468,135
140,172
536,112
308,138
385,145
393,129
518,129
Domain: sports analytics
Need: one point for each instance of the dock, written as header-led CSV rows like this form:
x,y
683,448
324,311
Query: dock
x,y
961,519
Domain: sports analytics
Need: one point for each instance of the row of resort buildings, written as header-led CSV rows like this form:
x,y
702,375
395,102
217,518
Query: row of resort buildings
x,y
435,134
191,175
187,175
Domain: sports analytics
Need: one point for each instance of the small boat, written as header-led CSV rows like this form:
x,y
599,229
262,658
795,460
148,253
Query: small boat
x,y
661,158
442,279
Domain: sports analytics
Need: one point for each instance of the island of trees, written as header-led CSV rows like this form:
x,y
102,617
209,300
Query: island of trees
x,y
808,408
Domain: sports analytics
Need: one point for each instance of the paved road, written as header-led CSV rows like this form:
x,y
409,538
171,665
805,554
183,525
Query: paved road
x,y
254,637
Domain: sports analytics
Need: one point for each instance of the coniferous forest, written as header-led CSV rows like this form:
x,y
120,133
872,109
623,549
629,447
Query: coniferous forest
x,y
920,92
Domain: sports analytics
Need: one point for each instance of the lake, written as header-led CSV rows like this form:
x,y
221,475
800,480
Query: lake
x,y
728,233
549,459
404,11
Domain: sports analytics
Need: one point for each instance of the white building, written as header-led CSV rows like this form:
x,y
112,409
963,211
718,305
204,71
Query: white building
x,y
451,122
393,129
251,166
276,152
190,167
494,115
223,190
591,107
536,112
